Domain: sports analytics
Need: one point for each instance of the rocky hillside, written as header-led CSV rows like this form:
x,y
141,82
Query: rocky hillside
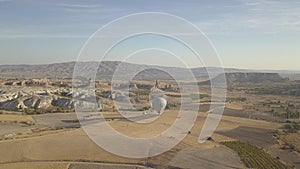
x,y
38,96
238,77
33,94
106,70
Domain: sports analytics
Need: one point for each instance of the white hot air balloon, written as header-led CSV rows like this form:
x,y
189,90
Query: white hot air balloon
x,y
157,100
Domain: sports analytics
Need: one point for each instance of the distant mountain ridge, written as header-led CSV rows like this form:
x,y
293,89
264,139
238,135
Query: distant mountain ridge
x,y
247,77
107,68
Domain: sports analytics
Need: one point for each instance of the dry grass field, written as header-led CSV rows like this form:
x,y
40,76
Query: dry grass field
x,y
68,165
35,166
16,118
38,140
74,145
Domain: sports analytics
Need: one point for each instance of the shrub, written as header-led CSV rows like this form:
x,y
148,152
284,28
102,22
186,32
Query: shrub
x,y
291,127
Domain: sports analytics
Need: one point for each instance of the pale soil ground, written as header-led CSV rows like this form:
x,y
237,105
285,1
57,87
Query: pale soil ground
x,y
35,166
292,138
221,138
259,132
30,133
10,128
286,155
142,130
56,120
70,146
74,145
104,166
19,126
258,136
251,122
16,118
67,165
234,105
168,117
207,157
284,150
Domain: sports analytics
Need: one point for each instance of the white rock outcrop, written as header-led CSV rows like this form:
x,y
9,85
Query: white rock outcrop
x,y
63,102
11,105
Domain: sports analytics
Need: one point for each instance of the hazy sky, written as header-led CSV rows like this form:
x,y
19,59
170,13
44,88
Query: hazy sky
x,y
258,34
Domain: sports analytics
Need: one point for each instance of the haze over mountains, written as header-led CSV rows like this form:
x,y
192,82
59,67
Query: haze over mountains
x,y
107,69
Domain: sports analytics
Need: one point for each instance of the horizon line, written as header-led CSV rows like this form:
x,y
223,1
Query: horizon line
x,y
71,61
